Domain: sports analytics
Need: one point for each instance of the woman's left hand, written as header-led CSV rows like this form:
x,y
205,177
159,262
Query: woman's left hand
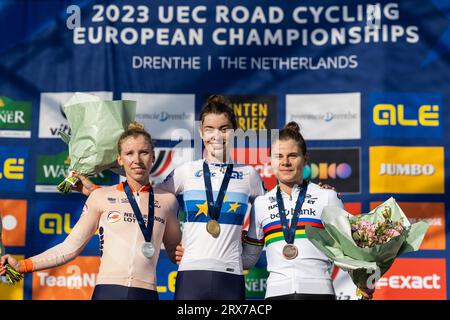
x,y
179,251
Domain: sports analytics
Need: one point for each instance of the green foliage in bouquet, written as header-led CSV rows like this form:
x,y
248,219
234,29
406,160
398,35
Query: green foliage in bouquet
x,y
96,126
346,240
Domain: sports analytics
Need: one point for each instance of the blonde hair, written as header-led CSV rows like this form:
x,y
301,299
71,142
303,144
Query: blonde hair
x,y
135,129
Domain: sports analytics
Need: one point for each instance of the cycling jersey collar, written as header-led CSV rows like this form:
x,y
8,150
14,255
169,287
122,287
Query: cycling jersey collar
x,y
144,188
295,191
217,164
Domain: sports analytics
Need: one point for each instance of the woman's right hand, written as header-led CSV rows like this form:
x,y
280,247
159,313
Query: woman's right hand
x,y
84,185
8,259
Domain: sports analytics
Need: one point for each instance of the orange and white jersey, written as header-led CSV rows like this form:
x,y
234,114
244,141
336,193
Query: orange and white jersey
x,y
109,211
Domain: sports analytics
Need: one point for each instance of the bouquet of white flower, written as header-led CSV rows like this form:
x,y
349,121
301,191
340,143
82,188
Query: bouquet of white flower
x,y
96,126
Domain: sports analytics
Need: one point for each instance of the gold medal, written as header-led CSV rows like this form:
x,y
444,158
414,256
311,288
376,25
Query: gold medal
x,y
213,228
290,251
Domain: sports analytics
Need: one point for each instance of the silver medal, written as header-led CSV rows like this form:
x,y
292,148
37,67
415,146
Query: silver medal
x,y
148,250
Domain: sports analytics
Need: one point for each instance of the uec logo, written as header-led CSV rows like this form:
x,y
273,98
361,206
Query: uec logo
x,y
327,171
390,115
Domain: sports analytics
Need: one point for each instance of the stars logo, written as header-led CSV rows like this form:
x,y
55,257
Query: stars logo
x,y
202,209
233,207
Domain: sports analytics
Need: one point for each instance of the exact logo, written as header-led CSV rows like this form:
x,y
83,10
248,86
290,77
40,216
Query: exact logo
x,y
13,166
406,115
406,169
410,279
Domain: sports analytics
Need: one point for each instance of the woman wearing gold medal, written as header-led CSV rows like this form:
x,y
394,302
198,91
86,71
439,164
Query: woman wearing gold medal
x,y
297,270
129,248
216,194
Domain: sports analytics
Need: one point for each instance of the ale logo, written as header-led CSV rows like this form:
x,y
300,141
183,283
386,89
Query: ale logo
x,y
13,168
406,115
52,169
15,118
406,169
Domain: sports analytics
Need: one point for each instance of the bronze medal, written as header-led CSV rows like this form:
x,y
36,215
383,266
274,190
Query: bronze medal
x,y
213,228
290,251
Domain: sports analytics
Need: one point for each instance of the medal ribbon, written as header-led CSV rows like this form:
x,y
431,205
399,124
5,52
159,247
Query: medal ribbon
x,y
289,231
146,231
215,207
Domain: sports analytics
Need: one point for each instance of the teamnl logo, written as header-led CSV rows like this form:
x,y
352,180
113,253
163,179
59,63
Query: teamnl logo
x,y
406,115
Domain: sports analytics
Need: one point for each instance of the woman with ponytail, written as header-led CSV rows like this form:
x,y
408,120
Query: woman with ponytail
x,y
297,269
216,196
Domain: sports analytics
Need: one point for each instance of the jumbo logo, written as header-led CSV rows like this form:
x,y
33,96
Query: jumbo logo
x,y
406,115
396,169
406,169
114,216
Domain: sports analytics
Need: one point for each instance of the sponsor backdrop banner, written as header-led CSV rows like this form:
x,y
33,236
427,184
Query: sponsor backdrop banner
x,y
368,85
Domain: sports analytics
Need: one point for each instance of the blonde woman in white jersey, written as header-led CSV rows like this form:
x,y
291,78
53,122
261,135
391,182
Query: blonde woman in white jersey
x,y
129,248
297,269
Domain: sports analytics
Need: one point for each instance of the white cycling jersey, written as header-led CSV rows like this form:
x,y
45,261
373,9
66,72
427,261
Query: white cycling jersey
x,y
201,250
310,271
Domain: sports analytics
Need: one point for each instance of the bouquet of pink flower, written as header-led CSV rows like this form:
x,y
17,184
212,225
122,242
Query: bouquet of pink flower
x,y
366,245
367,234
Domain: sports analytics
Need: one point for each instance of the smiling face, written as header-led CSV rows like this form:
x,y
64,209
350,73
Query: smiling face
x,y
216,131
288,161
136,157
